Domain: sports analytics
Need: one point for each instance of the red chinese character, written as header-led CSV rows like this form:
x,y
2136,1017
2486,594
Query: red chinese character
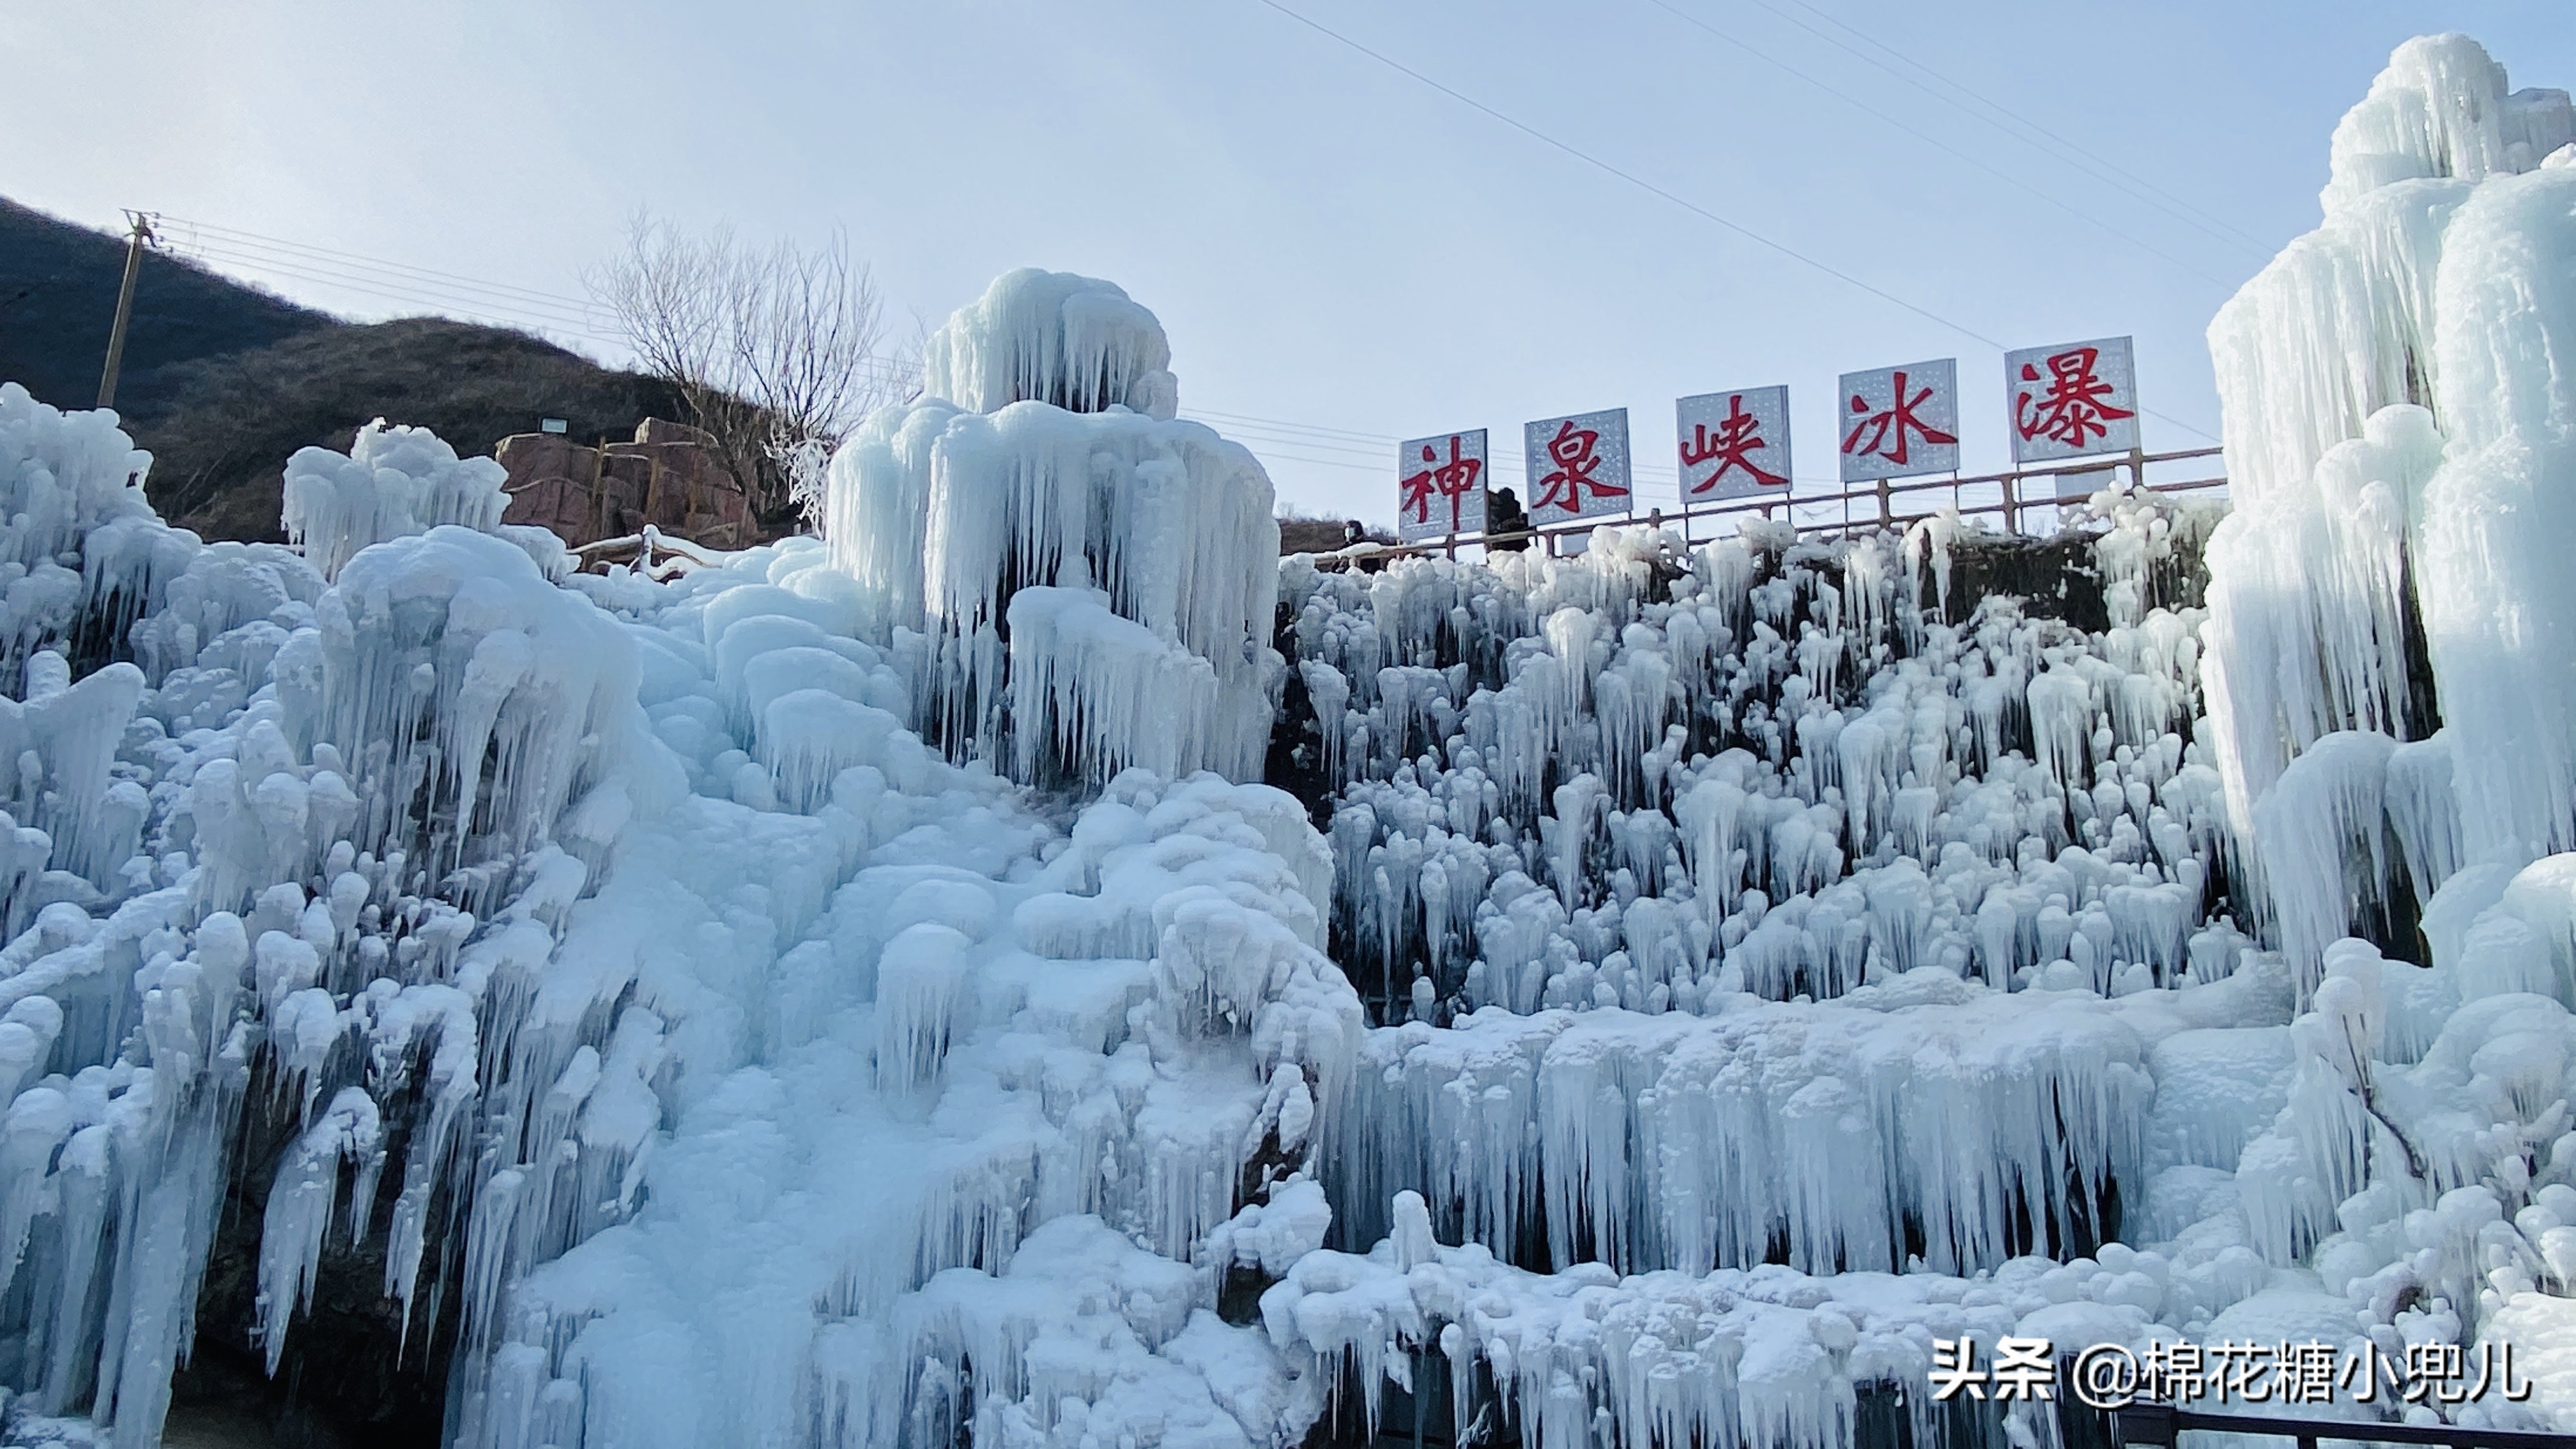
x,y
1737,436
1572,450
2074,404
1452,480
1899,419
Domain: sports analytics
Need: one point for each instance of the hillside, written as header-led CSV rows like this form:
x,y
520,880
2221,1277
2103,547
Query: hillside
x,y
58,295
222,382
219,452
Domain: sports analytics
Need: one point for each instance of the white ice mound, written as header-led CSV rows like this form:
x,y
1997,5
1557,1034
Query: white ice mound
x,y
2490,551
392,483
61,475
1052,337
2441,109
1044,456
474,699
2396,394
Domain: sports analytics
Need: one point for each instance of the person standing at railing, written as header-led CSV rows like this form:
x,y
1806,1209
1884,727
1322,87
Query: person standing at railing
x,y
1504,516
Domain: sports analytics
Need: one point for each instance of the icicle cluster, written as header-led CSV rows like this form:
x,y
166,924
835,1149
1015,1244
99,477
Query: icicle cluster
x,y
1711,891
392,483
1052,337
2394,403
1086,581
254,822
538,943
1616,781
697,1002
853,1108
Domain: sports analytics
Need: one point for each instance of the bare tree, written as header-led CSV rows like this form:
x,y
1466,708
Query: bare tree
x,y
777,353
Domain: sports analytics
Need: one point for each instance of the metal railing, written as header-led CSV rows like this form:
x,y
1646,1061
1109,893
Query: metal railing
x,y
2013,499
2143,1425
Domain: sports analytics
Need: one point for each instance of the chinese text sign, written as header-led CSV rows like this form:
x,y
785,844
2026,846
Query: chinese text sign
x,y
1440,485
1734,444
1900,421
2072,400
1577,466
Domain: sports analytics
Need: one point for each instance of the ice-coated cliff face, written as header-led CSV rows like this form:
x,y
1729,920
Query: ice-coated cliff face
x,y
860,993
695,1045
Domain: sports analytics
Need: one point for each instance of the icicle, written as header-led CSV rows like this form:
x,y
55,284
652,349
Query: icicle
x,y
393,482
299,1210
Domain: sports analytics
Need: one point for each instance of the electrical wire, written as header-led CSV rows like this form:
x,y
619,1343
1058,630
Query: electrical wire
x,y
2038,136
1694,208
452,280
391,287
1937,144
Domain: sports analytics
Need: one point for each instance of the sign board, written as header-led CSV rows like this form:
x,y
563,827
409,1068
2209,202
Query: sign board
x,y
2072,400
552,425
1734,444
1900,421
1440,485
1577,466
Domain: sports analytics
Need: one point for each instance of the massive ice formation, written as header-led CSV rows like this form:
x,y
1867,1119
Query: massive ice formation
x,y
1087,580
2395,389
1738,909
858,993
609,968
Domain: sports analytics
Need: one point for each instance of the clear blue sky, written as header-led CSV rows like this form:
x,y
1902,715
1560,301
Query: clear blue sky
x,y
1329,242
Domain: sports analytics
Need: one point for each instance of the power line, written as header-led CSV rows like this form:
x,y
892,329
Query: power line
x,y
272,243
393,282
1633,179
393,289
1385,439
2103,169
1686,204
1867,109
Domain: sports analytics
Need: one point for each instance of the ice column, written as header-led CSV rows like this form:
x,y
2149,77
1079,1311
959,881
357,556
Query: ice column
x,y
2396,395
1093,580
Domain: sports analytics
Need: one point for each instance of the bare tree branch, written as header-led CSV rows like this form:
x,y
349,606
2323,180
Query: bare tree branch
x,y
778,354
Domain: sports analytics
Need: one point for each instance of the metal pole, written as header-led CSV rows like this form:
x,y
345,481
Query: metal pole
x,y
140,234
599,489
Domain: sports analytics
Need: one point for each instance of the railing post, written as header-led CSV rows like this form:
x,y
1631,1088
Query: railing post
x,y
1886,503
2012,504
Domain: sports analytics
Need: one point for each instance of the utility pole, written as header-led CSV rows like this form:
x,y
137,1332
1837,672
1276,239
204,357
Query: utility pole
x,y
140,237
